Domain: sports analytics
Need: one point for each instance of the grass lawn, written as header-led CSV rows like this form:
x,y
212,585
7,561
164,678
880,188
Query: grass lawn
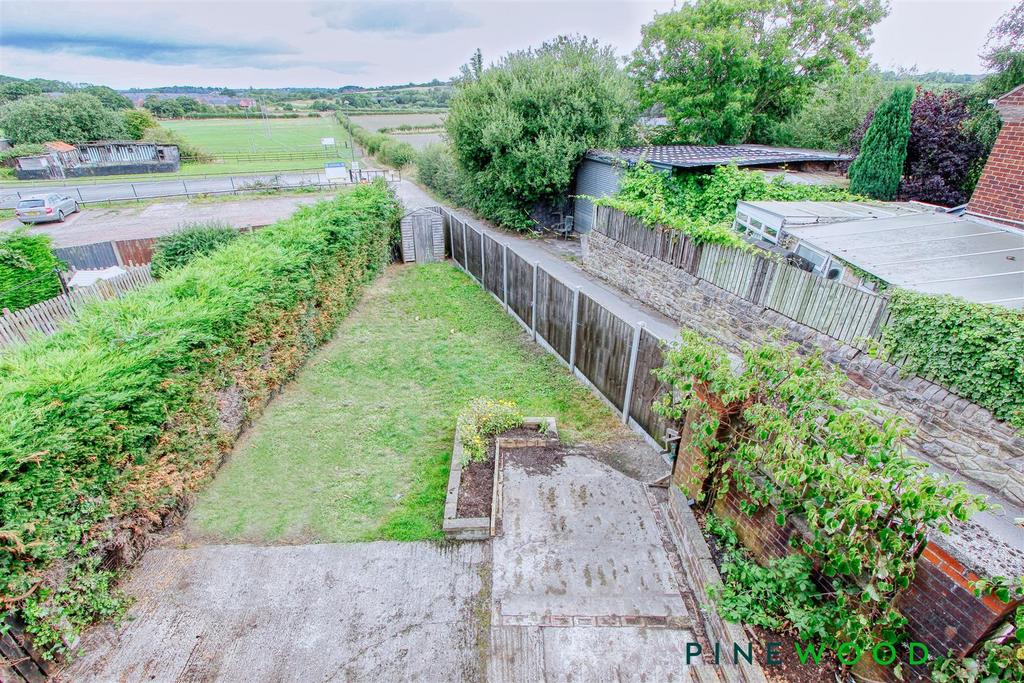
x,y
357,448
246,136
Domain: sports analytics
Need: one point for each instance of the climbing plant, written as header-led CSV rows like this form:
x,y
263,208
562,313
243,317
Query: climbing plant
x,y
778,432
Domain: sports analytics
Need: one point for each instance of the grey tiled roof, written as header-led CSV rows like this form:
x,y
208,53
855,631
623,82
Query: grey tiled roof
x,y
696,156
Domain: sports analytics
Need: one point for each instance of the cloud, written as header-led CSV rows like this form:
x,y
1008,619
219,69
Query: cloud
x,y
396,18
266,55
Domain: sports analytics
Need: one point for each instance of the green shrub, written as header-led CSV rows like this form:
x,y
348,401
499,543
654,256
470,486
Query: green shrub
x,y
181,247
878,169
137,122
436,168
387,149
108,424
976,350
8,156
484,418
703,205
27,270
186,149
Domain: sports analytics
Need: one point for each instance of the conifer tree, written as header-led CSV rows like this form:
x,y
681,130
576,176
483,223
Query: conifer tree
x,y
877,170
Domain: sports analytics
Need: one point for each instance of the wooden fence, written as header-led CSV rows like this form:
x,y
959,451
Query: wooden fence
x,y
612,355
842,312
46,317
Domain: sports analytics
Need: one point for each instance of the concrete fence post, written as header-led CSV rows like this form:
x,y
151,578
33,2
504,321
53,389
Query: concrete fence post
x,y
631,375
134,192
575,324
533,303
185,187
504,274
451,235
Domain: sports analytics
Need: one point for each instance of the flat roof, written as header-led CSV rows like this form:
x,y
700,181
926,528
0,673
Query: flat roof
x,y
833,212
937,253
699,156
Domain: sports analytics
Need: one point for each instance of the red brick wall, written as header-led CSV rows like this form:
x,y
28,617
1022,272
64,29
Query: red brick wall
x,y
1000,191
941,608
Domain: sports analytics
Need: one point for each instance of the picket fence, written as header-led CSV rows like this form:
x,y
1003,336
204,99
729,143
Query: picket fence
x,y
850,315
46,317
613,356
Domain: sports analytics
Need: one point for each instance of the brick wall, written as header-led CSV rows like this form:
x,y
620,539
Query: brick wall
x,y
1000,191
942,611
950,431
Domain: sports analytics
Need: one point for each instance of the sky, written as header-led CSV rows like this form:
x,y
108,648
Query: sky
x,y
241,43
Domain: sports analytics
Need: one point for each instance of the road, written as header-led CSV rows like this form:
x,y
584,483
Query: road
x,y
87,191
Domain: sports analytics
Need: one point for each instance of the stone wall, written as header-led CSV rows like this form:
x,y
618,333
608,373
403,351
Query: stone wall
x,y
950,431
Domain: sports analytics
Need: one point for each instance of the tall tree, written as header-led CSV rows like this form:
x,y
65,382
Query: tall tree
x,y
519,131
728,70
878,169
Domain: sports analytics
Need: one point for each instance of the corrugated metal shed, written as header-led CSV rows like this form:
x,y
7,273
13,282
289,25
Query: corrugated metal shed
x,y
594,179
937,253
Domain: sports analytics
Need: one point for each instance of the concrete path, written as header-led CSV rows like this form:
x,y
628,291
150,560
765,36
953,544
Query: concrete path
x,y
335,612
583,586
551,254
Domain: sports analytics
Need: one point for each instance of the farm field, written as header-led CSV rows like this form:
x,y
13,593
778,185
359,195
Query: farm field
x,y
248,136
358,447
374,122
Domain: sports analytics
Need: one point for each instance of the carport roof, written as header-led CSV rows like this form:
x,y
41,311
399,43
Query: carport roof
x,y
936,253
701,156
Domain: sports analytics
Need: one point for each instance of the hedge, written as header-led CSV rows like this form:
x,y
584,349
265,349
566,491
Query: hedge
x,y
27,270
185,245
976,350
107,426
387,149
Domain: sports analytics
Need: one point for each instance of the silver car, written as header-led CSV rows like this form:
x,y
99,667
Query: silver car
x,y
45,207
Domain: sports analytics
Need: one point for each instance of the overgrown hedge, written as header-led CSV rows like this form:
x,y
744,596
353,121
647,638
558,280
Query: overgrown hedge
x,y
185,245
387,149
106,426
27,270
975,350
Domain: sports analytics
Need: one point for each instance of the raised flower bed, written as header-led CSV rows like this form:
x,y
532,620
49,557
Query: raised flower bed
x,y
473,502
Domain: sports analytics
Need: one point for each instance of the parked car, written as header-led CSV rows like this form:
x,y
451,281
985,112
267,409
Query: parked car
x,y
45,207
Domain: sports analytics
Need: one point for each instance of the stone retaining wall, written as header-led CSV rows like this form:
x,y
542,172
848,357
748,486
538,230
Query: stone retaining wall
x,y
951,431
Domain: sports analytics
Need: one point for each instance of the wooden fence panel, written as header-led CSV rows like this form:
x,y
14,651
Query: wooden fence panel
x,y
493,268
88,256
554,313
136,252
520,286
603,345
647,388
458,247
47,317
474,257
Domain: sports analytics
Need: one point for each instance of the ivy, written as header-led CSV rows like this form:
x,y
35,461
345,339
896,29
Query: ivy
x,y
779,432
976,350
702,206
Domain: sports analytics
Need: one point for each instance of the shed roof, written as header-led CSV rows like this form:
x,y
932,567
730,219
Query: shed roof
x,y
937,253
58,146
700,156
834,212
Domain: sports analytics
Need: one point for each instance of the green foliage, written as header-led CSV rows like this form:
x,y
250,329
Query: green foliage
x,y
137,122
780,596
186,150
703,205
108,97
780,433
833,112
114,418
520,129
1001,656
185,245
436,168
72,118
878,168
727,71
387,149
976,350
27,270
8,155
482,419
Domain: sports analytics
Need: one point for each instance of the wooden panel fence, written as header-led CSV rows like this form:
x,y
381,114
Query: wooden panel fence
x,y
603,343
616,357
845,313
47,317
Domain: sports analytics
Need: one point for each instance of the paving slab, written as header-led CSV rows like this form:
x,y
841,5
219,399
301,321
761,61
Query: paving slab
x,y
344,612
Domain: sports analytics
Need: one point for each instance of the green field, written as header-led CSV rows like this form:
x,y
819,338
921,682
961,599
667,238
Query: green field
x,y
254,136
358,447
